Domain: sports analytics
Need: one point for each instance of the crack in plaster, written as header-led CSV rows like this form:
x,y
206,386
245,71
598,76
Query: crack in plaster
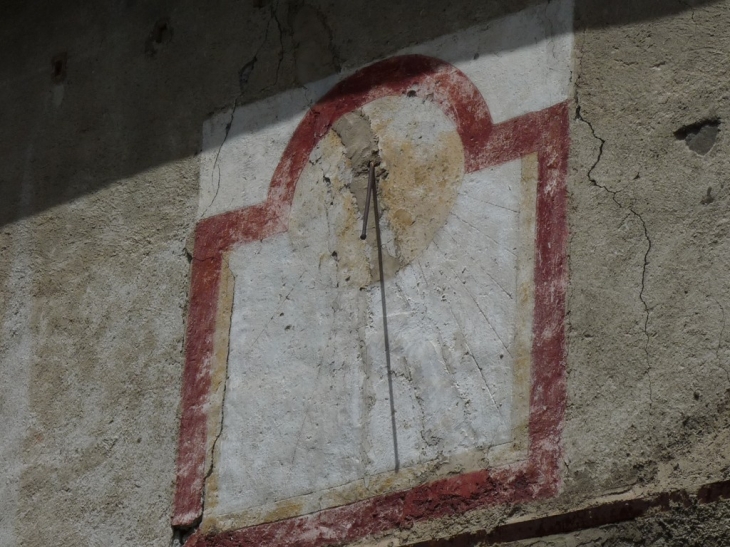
x,y
243,77
646,305
614,193
275,18
495,205
691,9
223,397
579,116
217,155
336,59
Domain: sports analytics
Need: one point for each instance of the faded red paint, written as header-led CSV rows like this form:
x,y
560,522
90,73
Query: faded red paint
x,y
485,144
196,386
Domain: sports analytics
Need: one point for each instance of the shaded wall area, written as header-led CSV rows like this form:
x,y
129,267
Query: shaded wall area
x,y
101,91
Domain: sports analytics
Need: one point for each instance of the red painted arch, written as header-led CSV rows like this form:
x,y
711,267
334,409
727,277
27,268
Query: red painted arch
x,y
485,144
427,77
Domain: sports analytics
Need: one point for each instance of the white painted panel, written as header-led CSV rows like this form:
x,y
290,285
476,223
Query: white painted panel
x,y
307,404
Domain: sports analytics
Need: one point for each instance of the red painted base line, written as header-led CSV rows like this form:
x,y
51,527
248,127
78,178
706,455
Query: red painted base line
x,y
485,144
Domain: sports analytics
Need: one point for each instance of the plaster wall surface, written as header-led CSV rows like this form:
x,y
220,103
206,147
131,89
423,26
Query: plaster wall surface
x,y
99,196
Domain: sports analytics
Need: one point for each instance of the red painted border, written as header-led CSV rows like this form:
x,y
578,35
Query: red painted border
x,y
485,144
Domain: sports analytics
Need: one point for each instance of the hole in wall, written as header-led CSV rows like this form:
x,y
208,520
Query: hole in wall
x,y
160,35
58,68
700,137
708,197
245,73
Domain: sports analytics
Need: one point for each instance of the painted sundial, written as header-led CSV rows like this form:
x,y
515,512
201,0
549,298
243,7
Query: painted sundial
x,y
307,403
303,404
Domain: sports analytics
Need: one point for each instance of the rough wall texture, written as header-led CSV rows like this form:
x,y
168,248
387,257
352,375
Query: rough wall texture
x,y
649,284
102,110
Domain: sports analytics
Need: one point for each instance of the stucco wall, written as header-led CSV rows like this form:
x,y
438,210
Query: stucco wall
x,y
98,200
